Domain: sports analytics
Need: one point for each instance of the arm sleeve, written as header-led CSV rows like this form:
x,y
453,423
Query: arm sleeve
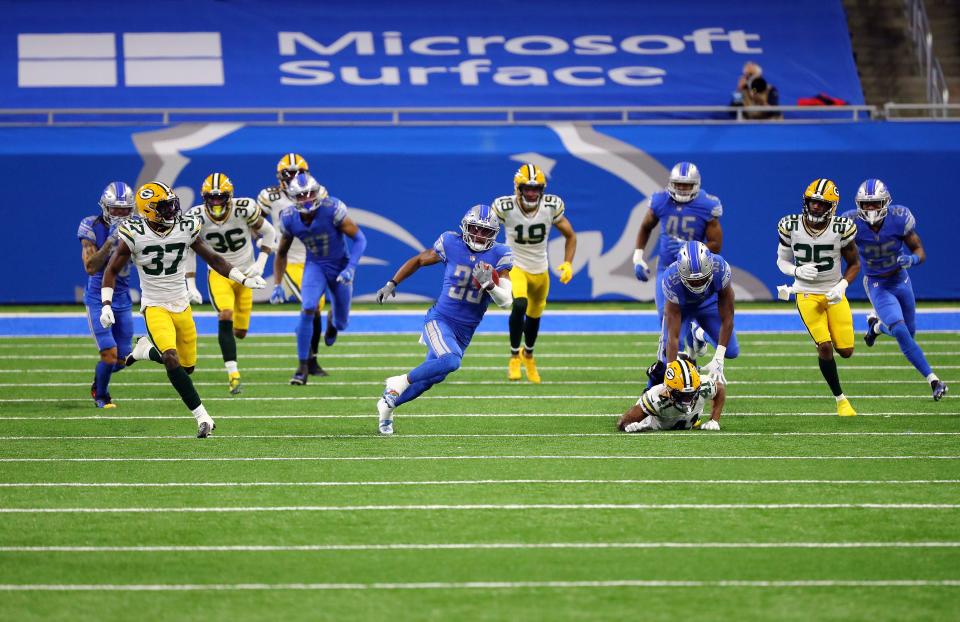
x,y
359,245
668,293
339,213
268,235
909,223
502,294
785,260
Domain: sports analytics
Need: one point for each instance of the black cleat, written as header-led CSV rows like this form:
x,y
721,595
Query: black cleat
x,y
205,429
314,369
93,389
871,337
939,390
330,334
300,376
655,373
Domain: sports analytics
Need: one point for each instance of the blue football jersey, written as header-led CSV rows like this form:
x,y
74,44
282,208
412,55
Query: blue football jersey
x,y
675,291
94,229
879,249
324,241
459,301
686,221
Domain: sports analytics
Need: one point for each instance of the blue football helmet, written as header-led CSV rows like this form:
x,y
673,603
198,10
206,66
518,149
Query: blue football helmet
x,y
695,266
684,184
872,200
480,227
116,201
306,193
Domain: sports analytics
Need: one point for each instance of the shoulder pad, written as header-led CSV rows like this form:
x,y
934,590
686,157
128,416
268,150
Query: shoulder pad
x,y
503,204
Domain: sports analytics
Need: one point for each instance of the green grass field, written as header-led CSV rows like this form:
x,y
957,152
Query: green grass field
x,y
493,500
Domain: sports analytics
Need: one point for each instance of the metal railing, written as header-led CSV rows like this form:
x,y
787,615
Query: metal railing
x,y
432,116
921,112
918,27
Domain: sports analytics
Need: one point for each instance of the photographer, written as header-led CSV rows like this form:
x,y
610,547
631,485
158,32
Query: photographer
x,y
754,90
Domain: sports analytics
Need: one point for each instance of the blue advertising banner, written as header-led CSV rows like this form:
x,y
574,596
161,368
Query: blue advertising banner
x,y
245,53
405,186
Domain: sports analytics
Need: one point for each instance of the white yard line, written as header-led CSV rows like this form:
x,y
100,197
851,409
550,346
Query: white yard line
x,y
464,457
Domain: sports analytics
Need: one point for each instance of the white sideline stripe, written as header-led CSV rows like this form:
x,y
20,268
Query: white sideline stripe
x,y
476,546
474,585
477,482
190,437
502,457
487,506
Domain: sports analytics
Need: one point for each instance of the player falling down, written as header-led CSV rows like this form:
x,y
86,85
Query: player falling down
x,y
157,243
678,403
273,200
528,216
321,222
811,246
684,212
883,230
98,237
229,226
477,271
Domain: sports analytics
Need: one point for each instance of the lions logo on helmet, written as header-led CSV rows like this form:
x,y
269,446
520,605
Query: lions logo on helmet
x,y
683,381
217,192
289,167
529,181
157,204
684,183
116,201
872,200
820,201
695,266
480,227
306,193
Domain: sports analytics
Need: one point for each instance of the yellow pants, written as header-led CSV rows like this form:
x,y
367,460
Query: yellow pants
x,y
827,322
291,283
533,287
173,331
228,295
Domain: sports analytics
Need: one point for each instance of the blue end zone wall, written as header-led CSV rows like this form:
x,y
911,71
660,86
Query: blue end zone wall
x,y
405,186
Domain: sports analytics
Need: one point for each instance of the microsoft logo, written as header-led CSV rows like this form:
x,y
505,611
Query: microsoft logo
x,y
91,59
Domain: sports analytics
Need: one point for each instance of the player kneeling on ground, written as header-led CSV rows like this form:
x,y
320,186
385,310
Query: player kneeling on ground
x,y
678,403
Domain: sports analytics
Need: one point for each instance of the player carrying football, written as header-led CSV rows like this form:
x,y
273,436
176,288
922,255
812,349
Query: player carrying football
x,y
528,216
883,230
98,237
157,244
477,271
229,225
810,248
678,403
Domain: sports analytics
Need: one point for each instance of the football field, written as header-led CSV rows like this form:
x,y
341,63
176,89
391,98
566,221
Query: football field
x,y
493,500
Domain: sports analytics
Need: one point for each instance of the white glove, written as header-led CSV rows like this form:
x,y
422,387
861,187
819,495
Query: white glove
x,y
632,427
256,268
806,272
784,291
254,282
715,369
192,292
710,424
106,316
835,294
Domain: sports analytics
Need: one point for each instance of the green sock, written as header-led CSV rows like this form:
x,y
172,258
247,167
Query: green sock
x,y
228,343
184,386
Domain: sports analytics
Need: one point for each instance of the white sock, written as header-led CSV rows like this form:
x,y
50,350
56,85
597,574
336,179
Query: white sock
x,y
400,382
199,412
840,397
231,367
932,377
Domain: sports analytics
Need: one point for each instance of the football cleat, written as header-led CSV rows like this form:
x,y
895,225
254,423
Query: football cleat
x,y
107,403
205,427
394,387
141,350
698,348
844,409
299,378
513,367
530,364
235,388
314,369
93,390
330,334
871,335
385,411
939,389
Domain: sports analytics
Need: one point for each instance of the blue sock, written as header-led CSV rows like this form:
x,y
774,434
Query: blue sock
x,y
910,349
430,371
102,379
304,333
414,391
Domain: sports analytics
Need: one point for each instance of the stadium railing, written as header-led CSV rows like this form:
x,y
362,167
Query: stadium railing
x,y
918,27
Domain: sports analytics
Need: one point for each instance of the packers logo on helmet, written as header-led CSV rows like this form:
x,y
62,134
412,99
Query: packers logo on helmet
x,y
217,191
820,201
289,166
157,203
683,381
529,183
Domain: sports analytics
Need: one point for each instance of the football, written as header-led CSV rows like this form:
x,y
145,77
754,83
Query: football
x,y
496,278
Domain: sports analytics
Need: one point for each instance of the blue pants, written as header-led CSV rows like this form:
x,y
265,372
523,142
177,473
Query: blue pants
x,y
446,343
119,336
320,279
892,298
708,316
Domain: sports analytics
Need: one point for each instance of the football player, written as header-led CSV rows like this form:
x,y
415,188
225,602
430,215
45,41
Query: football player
x,y
273,200
697,287
883,230
811,246
157,244
321,222
98,237
684,212
229,225
477,271
528,216
678,403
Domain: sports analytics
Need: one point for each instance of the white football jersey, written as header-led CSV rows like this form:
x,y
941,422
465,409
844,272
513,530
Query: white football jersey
x,y
232,239
820,249
160,260
272,201
656,402
527,233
